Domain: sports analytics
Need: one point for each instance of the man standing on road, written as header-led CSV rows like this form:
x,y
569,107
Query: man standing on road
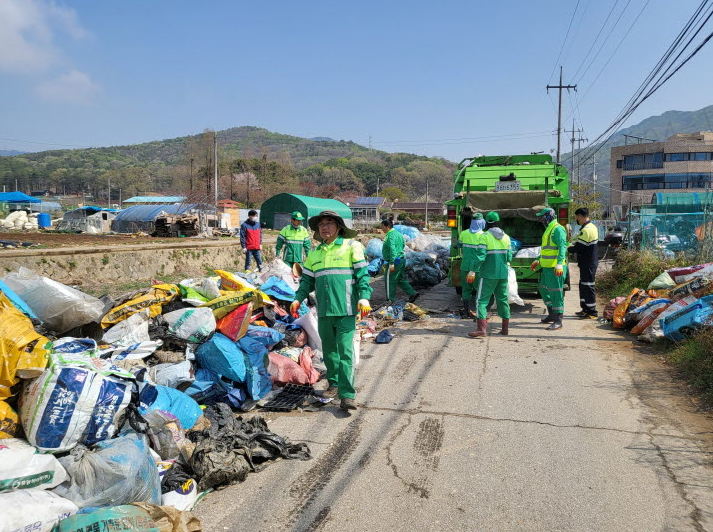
x,y
493,255
553,261
469,241
251,240
393,254
337,271
295,239
587,259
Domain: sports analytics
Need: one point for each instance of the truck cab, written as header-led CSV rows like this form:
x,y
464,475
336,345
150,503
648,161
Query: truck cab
x,y
517,187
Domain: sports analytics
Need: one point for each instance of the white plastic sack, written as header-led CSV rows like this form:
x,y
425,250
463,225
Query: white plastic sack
x,y
59,307
513,297
76,400
132,330
172,375
280,269
309,323
138,351
529,253
192,324
33,510
22,467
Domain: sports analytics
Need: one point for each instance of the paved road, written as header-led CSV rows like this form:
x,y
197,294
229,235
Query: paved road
x,y
572,430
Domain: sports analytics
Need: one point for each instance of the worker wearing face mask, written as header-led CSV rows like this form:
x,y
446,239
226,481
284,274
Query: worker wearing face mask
x,y
553,261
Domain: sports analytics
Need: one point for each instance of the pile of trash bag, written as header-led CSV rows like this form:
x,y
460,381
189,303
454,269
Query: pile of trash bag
x,y
125,406
675,304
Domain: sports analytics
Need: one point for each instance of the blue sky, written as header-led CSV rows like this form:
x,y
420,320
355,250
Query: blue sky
x,y
449,78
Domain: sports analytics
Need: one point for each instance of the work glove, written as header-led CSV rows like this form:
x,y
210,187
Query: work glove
x,y
470,277
295,309
392,268
534,265
559,270
363,307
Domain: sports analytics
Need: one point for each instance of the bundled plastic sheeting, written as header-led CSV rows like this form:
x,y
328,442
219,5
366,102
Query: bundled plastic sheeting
x,y
513,297
374,249
232,300
422,269
23,352
257,379
278,289
9,421
170,400
158,296
194,324
265,335
206,288
309,323
132,330
681,323
15,300
529,253
235,324
167,436
33,510
76,400
278,268
22,467
118,471
176,375
409,233
222,356
59,307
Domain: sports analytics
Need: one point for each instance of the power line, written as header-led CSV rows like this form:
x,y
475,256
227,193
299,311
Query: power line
x,y
564,41
43,143
596,38
486,137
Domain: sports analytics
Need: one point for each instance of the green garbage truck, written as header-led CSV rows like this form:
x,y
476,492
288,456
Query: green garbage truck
x,y
517,187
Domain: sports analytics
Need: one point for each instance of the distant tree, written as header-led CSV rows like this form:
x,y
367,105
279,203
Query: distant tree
x,y
393,194
585,195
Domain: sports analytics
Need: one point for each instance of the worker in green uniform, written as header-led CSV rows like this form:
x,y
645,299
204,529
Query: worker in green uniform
x,y
469,241
337,271
553,261
492,258
295,239
393,255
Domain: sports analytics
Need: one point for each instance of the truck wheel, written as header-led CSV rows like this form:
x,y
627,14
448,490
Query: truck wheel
x,y
459,290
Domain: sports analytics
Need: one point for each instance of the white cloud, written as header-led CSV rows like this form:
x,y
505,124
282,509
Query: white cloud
x,y
27,31
72,87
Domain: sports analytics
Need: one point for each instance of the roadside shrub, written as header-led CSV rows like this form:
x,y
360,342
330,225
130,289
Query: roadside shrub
x,y
694,359
633,269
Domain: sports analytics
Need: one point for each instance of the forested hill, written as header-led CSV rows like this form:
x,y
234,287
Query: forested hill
x,y
276,162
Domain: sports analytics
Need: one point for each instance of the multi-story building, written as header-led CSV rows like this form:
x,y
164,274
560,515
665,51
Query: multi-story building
x,y
683,163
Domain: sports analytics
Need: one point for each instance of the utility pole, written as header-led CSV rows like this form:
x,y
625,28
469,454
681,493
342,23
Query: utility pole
x,y
369,140
215,168
559,113
108,198
426,227
579,149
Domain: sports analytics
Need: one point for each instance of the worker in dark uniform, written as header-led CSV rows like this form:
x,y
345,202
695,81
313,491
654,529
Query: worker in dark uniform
x,y
587,259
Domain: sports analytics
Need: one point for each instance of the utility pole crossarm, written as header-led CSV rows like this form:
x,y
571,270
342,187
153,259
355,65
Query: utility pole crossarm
x,y
559,113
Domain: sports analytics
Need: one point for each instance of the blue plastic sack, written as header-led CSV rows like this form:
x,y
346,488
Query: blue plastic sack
x,y
515,245
17,301
265,335
694,316
374,249
384,337
375,267
256,359
181,405
409,233
221,355
207,386
278,289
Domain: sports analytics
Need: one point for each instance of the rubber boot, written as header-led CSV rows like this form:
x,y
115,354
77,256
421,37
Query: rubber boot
x,y
506,327
481,331
556,324
550,316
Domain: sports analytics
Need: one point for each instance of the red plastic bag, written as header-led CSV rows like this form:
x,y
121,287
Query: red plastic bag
x,y
234,325
284,370
306,365
611,307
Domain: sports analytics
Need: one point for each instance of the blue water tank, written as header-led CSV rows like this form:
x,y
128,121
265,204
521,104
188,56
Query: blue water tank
x,y
44,220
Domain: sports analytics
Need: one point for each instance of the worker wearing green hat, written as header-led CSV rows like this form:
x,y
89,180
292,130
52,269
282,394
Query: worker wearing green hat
x,y
469,242
492,258
553,261
295,240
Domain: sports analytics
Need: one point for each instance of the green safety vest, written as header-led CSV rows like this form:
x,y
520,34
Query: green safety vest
x,y
494,254
338,273
551,251
470,242
296,242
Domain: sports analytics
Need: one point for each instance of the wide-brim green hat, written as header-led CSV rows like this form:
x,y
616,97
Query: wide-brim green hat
x,y
492,216
297,215
477,216
343,229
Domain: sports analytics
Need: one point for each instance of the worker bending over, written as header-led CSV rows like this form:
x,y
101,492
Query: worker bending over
x,y
393,254
295,239
553,261
337,271
492,258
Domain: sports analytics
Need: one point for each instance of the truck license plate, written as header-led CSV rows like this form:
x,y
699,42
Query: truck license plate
x,y
506,186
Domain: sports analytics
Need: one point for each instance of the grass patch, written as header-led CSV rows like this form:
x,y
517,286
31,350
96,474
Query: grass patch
x,y
634,269
694,359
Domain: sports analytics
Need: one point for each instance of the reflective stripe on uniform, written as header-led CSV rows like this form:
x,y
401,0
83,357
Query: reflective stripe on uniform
x,y
361,264
497,251
322,273
470,246
307,272
586,284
